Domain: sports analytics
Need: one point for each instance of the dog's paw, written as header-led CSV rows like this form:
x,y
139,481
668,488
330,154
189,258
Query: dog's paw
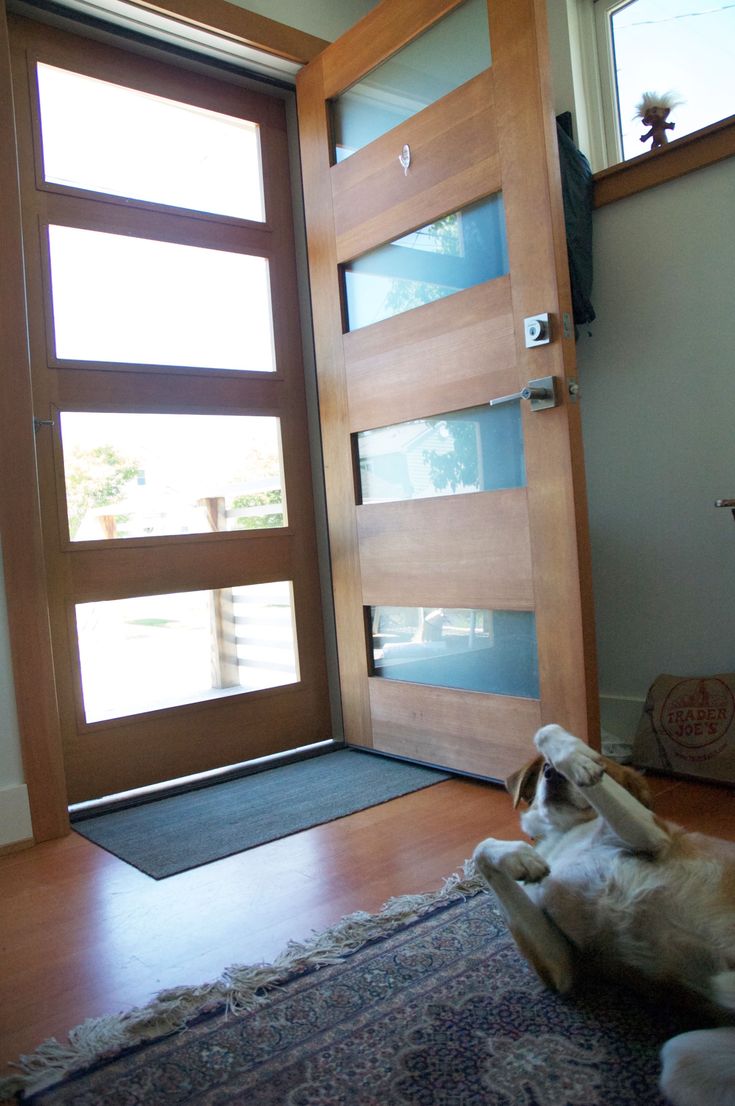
x,y
575,761
515,859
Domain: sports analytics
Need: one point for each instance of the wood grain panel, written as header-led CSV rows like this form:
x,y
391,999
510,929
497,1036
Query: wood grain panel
x,y
20,521
120,387
121,568
143,221
554,450
418,363
489,735
453,162
198,737
452,551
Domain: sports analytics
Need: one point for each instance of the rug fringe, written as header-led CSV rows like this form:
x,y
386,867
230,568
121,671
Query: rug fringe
x,y
241,988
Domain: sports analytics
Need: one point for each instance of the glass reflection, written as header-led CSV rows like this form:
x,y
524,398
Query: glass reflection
x,y
475,450
438,61
459,251
471,650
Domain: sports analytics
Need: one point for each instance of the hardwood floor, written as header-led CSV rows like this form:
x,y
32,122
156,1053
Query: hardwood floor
x,y
83,934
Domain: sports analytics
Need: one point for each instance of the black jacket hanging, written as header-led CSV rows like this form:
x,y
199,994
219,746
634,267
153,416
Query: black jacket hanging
x,y
577,194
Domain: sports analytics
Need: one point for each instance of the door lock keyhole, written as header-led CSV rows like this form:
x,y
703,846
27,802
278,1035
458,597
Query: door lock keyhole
x,y
537,330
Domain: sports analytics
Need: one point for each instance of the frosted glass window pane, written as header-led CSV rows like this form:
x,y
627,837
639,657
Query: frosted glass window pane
x,y
144,475
472,650
475,450
155,651
438,61
145,302
106,138
459,251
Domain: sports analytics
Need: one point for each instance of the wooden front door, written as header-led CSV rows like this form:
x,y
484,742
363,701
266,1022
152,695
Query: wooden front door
x,y
458,530
172,444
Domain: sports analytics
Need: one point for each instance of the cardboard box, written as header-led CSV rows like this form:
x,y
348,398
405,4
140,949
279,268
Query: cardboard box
x,y
688,727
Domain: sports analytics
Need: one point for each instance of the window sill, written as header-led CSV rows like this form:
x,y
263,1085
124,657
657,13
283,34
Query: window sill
x,y
677,158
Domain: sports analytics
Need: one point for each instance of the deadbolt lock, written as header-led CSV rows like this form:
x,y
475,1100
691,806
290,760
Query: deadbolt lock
x,y
537,330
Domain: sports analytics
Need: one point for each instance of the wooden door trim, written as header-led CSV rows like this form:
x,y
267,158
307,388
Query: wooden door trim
x,y
20,520
314,126
557,493
239,25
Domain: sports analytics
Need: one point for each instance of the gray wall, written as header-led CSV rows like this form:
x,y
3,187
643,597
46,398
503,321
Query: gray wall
x,y
658,386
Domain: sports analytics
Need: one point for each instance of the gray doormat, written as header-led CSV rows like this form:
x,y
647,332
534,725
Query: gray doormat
x,y
174,834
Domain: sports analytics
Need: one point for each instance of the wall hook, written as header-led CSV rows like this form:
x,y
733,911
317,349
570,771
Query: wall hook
x,y
405,158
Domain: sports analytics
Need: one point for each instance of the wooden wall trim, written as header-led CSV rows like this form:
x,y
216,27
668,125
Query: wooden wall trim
x,y
693,151
20,521
220,17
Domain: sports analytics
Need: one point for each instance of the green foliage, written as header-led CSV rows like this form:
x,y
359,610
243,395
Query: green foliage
x,y
259,499
94,478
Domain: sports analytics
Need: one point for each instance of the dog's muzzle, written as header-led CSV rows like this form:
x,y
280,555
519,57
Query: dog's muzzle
x,y
556,784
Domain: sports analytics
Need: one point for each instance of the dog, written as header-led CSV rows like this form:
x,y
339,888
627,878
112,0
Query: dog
x,y
609,887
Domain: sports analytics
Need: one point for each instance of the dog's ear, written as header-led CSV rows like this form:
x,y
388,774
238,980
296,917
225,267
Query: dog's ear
x,y
522,784
631,780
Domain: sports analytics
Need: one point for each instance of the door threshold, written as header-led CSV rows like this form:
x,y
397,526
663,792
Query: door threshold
x,y
91,808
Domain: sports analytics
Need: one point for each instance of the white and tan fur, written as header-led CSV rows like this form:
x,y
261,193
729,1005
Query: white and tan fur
x,y
609,886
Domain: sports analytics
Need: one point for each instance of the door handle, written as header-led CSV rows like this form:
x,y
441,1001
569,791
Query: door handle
x,y
542,393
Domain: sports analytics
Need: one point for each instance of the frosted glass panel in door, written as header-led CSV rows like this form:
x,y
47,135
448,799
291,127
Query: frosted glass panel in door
x,y
478,449
145,302
441,59
465,248
471,650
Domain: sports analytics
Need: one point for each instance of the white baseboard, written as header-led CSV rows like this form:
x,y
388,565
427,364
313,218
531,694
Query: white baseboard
x,y
15,815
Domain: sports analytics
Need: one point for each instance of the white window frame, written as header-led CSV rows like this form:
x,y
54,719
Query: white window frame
x,y
586,24
603,10
595,112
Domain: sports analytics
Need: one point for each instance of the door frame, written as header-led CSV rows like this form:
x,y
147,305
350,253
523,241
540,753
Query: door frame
x,y
20,518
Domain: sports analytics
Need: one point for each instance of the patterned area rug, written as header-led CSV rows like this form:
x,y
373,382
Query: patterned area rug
x,y
427,1004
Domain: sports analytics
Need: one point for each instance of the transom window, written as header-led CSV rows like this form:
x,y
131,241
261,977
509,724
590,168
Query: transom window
x,y
683,48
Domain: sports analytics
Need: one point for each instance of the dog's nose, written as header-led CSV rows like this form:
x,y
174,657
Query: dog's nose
x,y
550,772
